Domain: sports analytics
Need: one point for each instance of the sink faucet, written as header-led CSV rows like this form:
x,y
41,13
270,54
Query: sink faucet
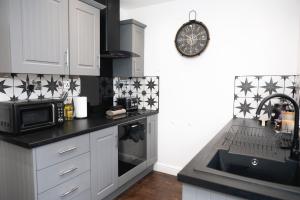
x,y
294,155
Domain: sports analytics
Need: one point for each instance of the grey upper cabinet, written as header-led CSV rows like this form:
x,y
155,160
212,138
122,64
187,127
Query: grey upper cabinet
x,y
104,162
152,130
34,36
84,39
50,36
132,38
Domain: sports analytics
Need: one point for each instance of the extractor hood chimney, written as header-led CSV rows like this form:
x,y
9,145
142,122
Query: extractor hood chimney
x,y
110,31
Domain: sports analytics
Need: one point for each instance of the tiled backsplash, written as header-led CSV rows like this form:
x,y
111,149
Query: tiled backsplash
x,y
146,89
250,90
16,86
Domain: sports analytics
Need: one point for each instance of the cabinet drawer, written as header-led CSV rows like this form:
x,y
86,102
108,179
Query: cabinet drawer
x,y
69,190
86,195
50,177
60,151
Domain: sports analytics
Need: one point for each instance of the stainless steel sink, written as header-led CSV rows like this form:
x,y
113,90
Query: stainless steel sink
x,y
286,172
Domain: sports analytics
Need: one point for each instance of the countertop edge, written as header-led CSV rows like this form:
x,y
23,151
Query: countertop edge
x,y
12,139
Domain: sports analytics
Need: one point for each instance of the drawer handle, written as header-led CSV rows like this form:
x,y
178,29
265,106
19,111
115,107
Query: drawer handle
x,y
67,150
69,192
68,171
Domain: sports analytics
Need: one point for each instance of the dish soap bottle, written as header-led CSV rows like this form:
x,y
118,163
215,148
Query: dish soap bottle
x,y
69,109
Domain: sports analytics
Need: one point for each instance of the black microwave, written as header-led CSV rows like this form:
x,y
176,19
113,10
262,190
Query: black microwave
x,y
19,117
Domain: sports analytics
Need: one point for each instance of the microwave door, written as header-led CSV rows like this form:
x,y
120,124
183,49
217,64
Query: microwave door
x,y
36,116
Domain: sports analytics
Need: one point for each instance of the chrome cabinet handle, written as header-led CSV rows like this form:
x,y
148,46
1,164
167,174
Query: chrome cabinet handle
x,y
67,57
67,150
117,141
68,171
69,192
53,113
149,128
98,61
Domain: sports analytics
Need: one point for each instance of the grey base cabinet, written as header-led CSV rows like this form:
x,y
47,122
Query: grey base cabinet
x,y
104,161
56,171
80,168
152,135
191,192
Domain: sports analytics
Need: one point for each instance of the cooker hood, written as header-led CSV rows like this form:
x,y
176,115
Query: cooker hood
x,y
110,32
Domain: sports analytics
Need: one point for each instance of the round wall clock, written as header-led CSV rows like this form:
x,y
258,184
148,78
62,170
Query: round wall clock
x,y
192,37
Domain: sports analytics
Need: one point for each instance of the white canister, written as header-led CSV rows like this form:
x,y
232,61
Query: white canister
x,y
80,107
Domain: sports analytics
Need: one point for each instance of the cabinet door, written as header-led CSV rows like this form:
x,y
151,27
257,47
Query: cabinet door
x,y
104,162
152,139
138,47
84,39
39,36
132,39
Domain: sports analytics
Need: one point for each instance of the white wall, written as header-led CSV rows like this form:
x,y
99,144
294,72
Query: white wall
x,y
196,94
299,51
124,14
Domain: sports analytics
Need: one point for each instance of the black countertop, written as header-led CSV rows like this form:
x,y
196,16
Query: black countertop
x,y
70,129
197,173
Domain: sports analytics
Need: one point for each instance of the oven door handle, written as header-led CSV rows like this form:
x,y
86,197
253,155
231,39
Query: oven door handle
x,y
137,125
53,113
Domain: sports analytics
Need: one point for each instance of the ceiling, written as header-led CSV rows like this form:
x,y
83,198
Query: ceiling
x,y
132,4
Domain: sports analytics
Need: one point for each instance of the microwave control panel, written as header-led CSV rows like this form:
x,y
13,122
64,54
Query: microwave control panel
x,y
60,112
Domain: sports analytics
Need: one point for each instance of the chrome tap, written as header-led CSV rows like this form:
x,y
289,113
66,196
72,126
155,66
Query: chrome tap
x,y
295,143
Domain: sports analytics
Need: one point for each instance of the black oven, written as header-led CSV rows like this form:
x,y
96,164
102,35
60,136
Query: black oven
x,y
132,146
22,116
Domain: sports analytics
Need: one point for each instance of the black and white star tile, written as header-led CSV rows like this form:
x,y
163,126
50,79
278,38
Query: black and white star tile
x,y
151,84
270,85
6,88
250,90
244,107
21,86
146,89
290,87
16,86
52,86
246,86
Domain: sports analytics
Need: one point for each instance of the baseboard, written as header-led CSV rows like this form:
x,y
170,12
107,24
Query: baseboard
x,y
165,168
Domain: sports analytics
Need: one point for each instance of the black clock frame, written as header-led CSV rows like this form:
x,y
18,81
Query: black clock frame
x,y
187,24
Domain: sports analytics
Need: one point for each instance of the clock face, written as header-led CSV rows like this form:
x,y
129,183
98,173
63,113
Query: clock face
x,y
192,38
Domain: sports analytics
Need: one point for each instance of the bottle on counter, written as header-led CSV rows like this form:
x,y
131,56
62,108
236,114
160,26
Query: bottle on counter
x,y
288,119
69,109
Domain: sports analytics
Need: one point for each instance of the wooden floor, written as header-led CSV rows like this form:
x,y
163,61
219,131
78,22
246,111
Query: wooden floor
x,y
155,186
